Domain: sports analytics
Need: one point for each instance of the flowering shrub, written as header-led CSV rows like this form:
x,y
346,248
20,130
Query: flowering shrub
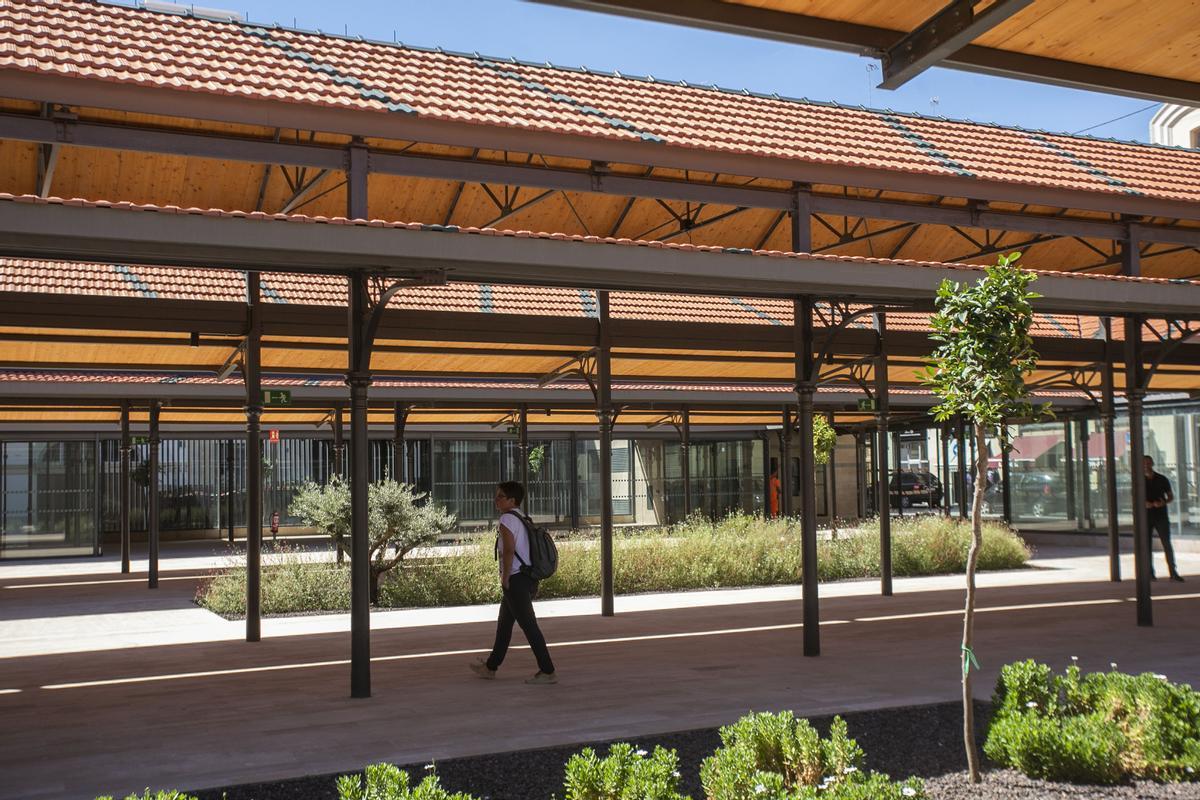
x,y
1099,727
161,794
624,774
779,757
388,782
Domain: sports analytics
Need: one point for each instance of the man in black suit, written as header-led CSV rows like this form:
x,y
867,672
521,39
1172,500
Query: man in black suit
x,y
1158,495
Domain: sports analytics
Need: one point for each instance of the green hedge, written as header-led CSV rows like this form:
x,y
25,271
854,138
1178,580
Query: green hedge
x,y
737,551
1100,727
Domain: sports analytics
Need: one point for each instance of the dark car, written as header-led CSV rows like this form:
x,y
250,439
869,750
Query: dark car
x,y
910,488
1038,494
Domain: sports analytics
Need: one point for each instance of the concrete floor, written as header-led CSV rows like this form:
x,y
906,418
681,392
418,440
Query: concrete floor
x,y
108,687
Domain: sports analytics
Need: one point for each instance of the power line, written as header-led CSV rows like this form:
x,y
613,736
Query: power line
x,y
1117,119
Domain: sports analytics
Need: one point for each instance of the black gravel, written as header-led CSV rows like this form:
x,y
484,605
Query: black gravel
x,y
920,740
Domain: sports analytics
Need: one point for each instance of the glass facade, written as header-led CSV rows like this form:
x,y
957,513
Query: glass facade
x,y
48,503
62,497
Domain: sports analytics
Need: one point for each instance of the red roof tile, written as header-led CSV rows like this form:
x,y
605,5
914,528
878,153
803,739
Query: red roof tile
x,y
93,41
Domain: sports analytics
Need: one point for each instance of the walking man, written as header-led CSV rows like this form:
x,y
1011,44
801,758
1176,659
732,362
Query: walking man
x,y
1158,495
518,589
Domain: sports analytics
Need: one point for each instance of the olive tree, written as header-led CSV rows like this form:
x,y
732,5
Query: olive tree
x,y
397,520
978,371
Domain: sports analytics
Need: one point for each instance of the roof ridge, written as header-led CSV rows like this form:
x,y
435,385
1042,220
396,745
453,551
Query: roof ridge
x,y
138,5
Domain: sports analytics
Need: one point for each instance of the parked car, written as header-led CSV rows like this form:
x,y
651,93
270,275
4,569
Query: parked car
x,y
909,488
1038,494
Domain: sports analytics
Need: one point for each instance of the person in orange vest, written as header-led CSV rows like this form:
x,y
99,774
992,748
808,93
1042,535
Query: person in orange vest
x,y
774,485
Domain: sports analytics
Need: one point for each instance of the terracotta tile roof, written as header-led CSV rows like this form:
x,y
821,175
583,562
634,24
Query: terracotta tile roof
x,y
95,41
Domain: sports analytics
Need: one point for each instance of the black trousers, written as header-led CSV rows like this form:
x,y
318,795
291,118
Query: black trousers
x,y
1162,524
517,606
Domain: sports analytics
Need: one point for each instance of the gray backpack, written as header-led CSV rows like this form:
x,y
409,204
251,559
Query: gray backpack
x,y
543,554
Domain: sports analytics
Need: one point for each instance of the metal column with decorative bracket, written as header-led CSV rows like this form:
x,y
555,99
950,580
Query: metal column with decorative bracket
x,y
606,418
252,379
807,378
883,490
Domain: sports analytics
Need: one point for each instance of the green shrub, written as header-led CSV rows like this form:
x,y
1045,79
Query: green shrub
x,y
624,774
388,782
779,756
1102,727
739,550
161,794
292,580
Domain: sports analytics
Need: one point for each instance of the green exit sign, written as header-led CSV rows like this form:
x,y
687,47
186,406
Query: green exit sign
x,y
866,404
276,397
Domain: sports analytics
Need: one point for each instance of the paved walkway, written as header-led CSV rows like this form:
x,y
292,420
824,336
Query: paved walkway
x,y
106,686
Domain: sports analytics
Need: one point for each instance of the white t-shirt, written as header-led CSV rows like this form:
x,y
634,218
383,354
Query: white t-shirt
x,y
520,535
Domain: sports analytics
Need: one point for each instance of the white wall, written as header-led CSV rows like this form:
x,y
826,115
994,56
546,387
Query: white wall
x,y
1175,125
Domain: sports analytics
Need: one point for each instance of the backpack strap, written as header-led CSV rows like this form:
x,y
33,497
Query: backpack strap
x,y
528,523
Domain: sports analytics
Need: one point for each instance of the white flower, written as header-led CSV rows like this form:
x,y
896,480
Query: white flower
x,y
848,770
759,789
1161,677
640,753
1112,664
1190,771
1075,659
675,773
1031,704
908,791
431,765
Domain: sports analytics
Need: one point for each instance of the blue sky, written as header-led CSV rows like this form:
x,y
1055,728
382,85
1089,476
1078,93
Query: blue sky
x,y
537,32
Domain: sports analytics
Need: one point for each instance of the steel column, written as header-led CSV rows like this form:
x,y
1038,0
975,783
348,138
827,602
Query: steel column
x,y
963,465
523,449
1135,393
831,471
358,377
125,493
883,492
685,459
399,446
785,464
574,499
944,436
802,331
1085,465
152,520
766,467
230,451
1006,486
1108,416
604,414
1069,458
339,444
252,377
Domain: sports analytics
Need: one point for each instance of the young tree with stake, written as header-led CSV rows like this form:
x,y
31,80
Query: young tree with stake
x,y
979,371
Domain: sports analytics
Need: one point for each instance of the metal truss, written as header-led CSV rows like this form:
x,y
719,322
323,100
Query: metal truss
x,y
585,366
1177,333
1087,379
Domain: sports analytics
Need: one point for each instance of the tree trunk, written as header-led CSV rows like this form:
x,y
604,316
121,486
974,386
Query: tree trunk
x,y
967,653
341,552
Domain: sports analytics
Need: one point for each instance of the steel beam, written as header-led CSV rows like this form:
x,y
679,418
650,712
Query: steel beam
x,y
60,231
964,463
949,30
523,448
399,446
1135,393
251,377
326,157
1006,486
852,37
